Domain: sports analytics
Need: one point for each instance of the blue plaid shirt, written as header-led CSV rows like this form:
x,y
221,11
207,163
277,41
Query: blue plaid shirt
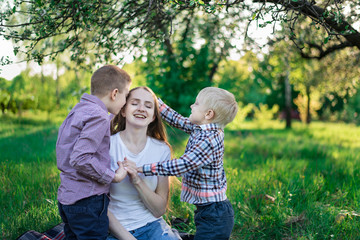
x,y
201,166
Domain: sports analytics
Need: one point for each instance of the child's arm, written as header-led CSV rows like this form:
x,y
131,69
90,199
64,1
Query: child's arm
x,y
85,157
174,118
200,154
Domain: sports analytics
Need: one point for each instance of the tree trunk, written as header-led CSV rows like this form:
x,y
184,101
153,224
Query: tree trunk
x,y
42,74
57,85
308,115
287,101
20,110
3,107
288,98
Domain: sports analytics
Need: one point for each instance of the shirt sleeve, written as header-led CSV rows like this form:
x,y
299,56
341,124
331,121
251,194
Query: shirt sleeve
x,y
195,157
83,157
174,118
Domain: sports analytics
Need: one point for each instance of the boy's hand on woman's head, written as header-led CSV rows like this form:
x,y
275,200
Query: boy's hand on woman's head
x,y
120,173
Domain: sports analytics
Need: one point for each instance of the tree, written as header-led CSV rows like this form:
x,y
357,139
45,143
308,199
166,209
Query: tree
x,y
4,95
22,97
242,79
307,77
341,73
188,60
111,28
275,71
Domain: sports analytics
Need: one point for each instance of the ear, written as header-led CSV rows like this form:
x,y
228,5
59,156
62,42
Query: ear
x,y
210,114
113,94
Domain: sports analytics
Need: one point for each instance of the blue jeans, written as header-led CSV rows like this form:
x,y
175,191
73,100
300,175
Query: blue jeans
x,y
157,230
86,219
214,221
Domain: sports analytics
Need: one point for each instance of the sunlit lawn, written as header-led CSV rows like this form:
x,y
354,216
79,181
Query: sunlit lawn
x,y
283,184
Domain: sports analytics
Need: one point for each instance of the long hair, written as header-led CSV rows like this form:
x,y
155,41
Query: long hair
x,y
156,128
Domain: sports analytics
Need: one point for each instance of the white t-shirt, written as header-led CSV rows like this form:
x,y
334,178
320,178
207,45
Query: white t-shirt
x,y
125,202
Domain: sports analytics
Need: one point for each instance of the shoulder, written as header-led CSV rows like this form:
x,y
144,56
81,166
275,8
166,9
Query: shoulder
x,y
211,137
89,112
115,137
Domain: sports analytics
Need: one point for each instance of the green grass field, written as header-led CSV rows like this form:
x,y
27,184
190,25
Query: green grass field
x,y
283,184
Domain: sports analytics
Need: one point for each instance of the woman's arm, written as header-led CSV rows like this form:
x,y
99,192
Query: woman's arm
x,y
117,230
156,201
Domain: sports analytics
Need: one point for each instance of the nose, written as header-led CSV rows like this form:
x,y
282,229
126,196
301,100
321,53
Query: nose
x,y
141,107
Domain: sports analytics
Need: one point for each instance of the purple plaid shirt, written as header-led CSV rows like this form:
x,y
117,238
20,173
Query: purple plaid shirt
x,y
201,166
82,151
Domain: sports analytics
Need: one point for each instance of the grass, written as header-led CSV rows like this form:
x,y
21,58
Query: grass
x,y
28,176
284,184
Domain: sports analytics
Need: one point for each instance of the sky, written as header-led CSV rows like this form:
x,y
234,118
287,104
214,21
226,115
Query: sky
x,y
10,71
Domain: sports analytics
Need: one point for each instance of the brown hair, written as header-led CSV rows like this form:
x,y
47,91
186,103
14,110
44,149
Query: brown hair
x,y
156,128
108,78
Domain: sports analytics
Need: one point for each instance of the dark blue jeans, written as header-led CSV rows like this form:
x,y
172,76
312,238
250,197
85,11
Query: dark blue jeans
x,y
214,221
86,219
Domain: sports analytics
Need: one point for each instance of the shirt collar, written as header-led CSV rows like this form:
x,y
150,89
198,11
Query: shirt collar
x,y
94,99
210,126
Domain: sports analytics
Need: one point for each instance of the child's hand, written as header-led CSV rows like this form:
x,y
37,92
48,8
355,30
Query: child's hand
x,y
128,163
120,173
131,169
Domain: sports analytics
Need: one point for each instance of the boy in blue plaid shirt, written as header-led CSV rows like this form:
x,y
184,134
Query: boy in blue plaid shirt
x,y
201,166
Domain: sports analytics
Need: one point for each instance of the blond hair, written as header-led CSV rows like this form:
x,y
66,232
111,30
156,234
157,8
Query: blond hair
x,y
222,102
108,78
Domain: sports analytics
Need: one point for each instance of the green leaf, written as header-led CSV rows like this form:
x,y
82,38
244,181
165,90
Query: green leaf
x,y
16,50
253,16
326,40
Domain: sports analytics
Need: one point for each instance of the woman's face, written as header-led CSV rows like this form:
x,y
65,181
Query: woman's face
x,y
139,109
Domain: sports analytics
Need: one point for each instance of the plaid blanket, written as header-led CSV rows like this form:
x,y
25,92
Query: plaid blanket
x,y
55,233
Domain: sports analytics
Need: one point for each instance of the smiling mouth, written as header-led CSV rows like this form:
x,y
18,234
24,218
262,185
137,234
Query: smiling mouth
x,y
139,116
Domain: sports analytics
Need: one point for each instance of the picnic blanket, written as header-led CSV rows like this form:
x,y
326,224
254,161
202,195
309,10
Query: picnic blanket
x,y
55,233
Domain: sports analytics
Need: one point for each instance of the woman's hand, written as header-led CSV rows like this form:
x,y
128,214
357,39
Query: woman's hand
x,y
131,169
120,173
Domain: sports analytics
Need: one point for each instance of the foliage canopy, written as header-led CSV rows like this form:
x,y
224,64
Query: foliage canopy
x,y
109,28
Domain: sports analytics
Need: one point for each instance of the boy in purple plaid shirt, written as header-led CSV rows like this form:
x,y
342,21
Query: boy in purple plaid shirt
x,y
201,166
82,153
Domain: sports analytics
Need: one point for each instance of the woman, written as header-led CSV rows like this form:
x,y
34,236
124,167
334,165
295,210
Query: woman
x,y
138,202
